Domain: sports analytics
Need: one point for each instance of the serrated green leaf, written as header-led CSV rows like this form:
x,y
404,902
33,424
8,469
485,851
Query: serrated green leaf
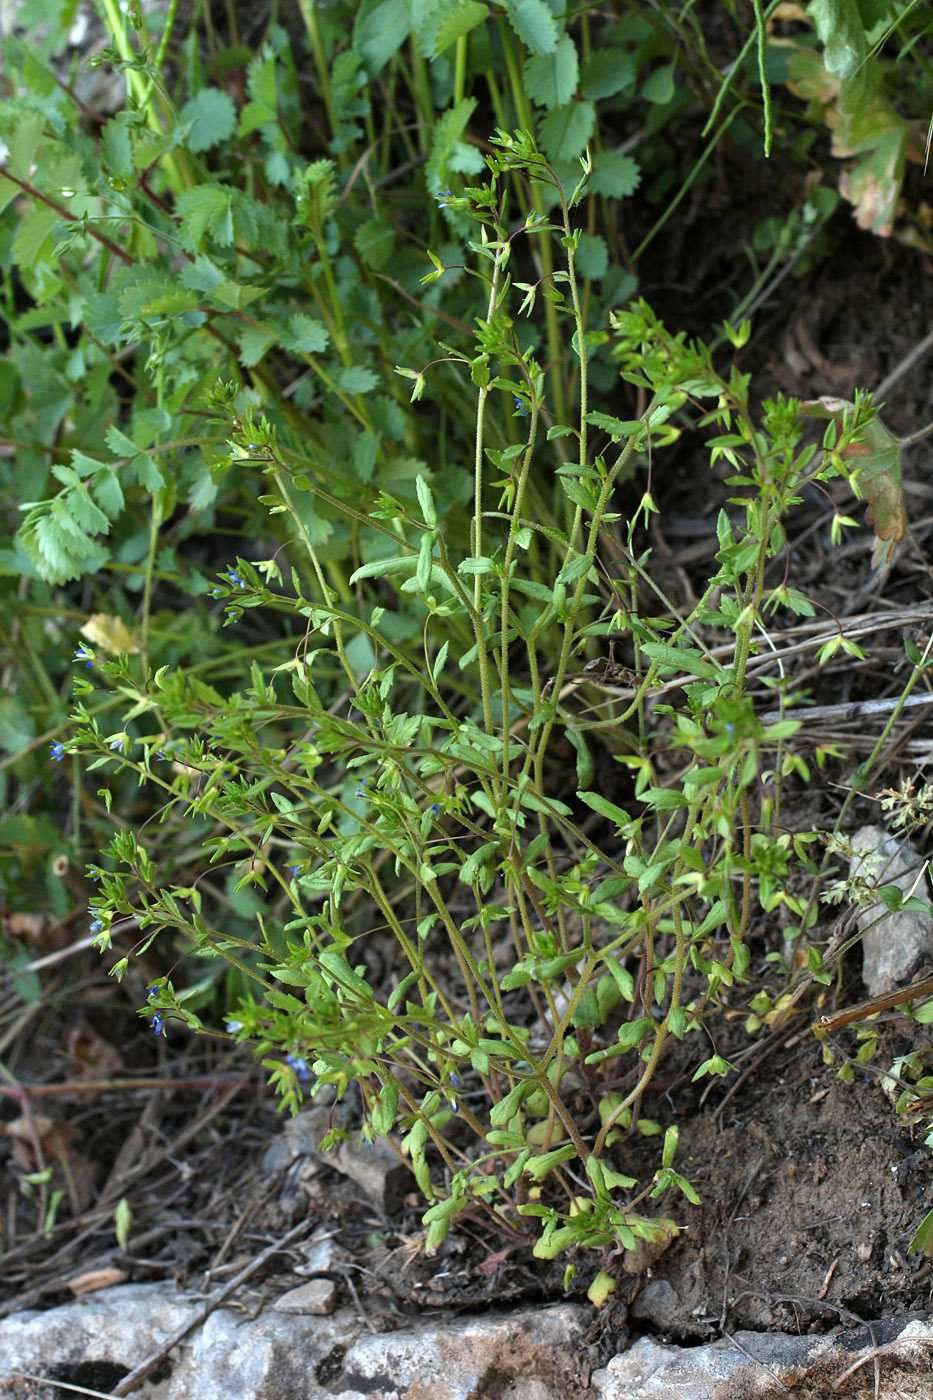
x,y
254,340
375,242
212,116
458,19
356,379
306,335
551,79
592,256
606,72
566,130
379,30
534,23
202,211
614,175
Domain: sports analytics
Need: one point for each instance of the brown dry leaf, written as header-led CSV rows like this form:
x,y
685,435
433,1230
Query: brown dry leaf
x,y
53,1138
26,927
96,1279
74,1172
647,1252
91,1057
110,634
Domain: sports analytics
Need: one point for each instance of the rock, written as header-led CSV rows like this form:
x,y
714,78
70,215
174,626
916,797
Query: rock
x,y
321,1254
900,944
377,1169
765,1364
659,1304
530,1354
317,1298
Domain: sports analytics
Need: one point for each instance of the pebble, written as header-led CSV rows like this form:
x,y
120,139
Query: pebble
x,y
317,1298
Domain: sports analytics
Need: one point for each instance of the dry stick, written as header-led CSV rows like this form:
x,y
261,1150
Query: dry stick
x,y
906,363
875,1353
857,709
145,1368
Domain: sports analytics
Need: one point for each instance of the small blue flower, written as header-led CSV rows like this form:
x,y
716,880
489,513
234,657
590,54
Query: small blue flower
x,y
365,1138
117,743
237,579
233,1026
57,751
294,869
436,808
158,1024
521,408
455,1080
153,991
361,790
82,654
97,926
444,198
299,1065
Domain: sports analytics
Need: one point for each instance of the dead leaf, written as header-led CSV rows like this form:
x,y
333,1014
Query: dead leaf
x,y
647,1252
110,634
27,927
96,1279
91,1057
73,1172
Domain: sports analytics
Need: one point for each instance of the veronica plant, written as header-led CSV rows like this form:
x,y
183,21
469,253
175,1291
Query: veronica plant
x,y
462,929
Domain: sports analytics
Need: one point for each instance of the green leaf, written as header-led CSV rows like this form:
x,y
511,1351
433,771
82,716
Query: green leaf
x,y
380,29
592,256
356,379
922,1242
446,141
375,243
615,175
677,661
878,459
115,143
122,1222
658,87
254,340
507,1108
842,34
605,808
551,79
606,72
213,119
450,22
305,335
565,132
534,23
205,210
539,1167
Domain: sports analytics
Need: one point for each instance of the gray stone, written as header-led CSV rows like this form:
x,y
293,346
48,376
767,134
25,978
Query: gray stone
x,y
659,1304
316,1299
531,1354
378,1169
749,1365
894,950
